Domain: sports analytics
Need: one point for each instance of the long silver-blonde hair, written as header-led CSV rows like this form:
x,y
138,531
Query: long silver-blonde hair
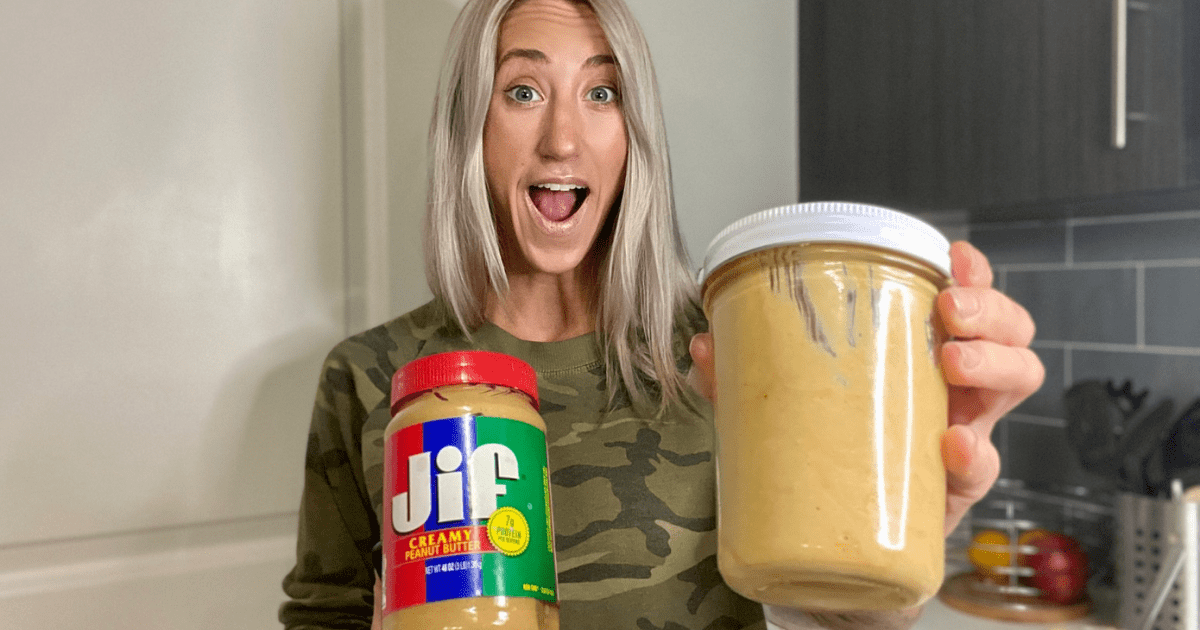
x,y
644,282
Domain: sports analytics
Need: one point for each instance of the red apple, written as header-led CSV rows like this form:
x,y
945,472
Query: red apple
x,y
1060,566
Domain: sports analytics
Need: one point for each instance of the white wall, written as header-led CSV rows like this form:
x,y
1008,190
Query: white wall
x,y
728,75
197,199
171,230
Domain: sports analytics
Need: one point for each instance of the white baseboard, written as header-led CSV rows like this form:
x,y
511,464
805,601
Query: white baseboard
x,y
146,567
195,576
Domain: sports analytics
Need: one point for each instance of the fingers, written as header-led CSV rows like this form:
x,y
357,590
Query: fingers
x,y
969,266
701,376
984,313
990,332
989,369
973,310
992,366
701,348
377,618
972,466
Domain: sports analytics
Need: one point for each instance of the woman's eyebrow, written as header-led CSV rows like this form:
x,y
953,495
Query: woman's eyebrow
x,y
600,60
533,54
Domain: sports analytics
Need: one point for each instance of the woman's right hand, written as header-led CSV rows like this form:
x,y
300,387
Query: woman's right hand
x,y
377,618
700,377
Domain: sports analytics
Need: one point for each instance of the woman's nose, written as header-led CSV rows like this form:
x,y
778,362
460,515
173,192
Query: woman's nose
x,y
561,130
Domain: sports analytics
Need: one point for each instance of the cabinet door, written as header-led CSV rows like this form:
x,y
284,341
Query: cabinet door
x,y
924,104
945,104
1078,88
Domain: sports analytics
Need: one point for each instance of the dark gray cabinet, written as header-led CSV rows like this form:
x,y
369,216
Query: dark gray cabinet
x,y
966,104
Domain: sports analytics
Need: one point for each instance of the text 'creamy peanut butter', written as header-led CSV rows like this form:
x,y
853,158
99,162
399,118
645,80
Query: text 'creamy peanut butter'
x,y
830,406
467,534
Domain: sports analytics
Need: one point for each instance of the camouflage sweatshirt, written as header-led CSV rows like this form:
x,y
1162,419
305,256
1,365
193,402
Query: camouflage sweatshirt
x,y
634,503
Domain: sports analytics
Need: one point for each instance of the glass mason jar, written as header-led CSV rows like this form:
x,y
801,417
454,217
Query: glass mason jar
x,y
830,406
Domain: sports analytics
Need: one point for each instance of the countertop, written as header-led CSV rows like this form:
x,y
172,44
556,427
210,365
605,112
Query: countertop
x,y
939,616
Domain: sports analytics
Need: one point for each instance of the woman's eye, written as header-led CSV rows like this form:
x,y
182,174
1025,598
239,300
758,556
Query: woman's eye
x,y
602,95
524,94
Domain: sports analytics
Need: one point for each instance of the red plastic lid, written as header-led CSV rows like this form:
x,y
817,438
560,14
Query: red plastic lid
x,y
462,368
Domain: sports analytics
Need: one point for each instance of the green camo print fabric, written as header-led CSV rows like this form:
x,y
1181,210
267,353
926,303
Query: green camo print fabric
x,y
634,503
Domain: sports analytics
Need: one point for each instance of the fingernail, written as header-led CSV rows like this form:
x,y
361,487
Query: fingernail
x,y
969,357
972,440
966,304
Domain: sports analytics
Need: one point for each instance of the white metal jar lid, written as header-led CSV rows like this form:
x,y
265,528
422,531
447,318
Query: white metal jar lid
x,y
829,222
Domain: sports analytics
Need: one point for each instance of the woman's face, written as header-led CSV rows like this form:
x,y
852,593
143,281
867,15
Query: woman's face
x,y
554,141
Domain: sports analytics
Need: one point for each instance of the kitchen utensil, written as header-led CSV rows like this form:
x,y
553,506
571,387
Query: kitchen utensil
x,y
1144,437
1125,397
1095,421
1179,456
1114,434
1158,565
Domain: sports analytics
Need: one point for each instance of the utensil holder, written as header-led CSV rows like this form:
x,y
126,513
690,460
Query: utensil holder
x,y
1158,570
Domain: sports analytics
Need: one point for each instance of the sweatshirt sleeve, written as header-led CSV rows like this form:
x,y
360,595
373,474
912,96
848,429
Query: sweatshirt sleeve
x,y
331,585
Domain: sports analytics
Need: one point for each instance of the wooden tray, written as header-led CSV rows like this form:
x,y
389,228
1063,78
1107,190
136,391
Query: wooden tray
x,y
958,593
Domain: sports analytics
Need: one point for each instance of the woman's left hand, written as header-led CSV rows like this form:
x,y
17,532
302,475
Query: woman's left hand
x,y
987,364
990,370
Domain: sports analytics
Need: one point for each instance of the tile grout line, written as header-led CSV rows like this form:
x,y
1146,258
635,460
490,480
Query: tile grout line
x,y
1110,265
1095,346
1140,306
1004,441
1149,217
1068,377
1046,421
1069,247
1139,218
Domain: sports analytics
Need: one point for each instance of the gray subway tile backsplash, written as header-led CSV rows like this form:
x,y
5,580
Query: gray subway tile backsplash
x,y
1136,319
1042,455
1173,306
1090,305
1047,402
1164,376
1022,242
1151,238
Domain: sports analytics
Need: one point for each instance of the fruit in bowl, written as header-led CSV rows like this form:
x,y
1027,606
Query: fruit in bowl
x,y
989,552
1059,563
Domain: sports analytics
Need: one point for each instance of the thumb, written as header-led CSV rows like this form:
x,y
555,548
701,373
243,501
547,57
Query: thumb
x,y
701,376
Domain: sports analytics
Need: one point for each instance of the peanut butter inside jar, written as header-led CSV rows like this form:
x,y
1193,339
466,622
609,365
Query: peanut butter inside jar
x,y
830,406
468,537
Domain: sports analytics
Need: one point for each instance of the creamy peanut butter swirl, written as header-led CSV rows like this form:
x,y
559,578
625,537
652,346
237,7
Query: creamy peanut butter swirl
x,y
830,411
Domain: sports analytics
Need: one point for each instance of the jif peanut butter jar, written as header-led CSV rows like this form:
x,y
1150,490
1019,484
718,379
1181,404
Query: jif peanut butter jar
x,y
468,540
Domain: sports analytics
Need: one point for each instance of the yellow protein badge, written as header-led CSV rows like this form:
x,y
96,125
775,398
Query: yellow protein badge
x,y
509,531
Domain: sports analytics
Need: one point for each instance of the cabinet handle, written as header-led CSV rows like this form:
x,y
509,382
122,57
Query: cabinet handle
x,y
1120,91
1120,49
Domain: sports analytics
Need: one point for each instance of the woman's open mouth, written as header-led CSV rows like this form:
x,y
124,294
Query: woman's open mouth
x,y
557,202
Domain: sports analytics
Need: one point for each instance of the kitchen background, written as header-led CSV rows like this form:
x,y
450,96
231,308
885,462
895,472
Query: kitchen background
x,y
199,199
1114,298
1063,138
1002,119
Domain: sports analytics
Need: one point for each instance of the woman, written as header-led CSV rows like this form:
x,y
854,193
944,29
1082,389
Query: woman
x,y
551,236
